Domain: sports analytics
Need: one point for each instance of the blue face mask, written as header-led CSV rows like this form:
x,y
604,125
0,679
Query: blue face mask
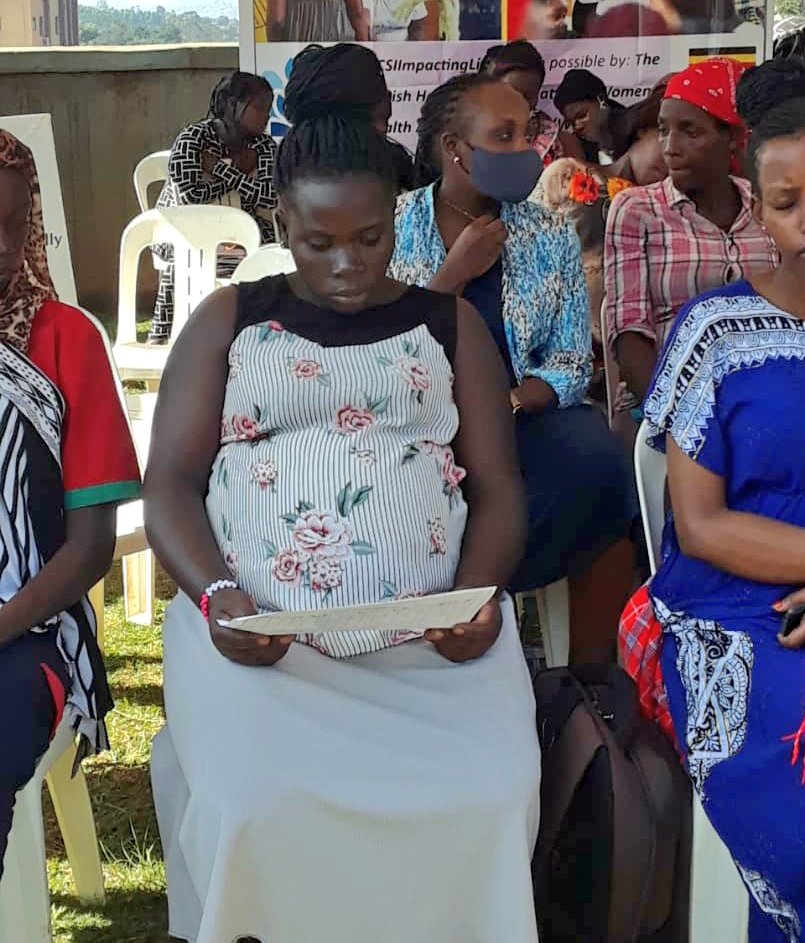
x,y
505,176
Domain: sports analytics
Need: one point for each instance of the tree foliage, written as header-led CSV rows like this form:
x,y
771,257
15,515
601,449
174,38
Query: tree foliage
x,y
104,26
790,7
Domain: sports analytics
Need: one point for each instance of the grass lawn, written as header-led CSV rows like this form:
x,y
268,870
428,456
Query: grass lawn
x,y
135,910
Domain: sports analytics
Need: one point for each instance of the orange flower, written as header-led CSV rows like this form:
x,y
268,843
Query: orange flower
x,y
584,188
615,185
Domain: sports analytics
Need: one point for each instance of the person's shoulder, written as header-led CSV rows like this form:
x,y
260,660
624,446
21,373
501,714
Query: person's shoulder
x,y
640,199
71,326
197,131
413,200
713,316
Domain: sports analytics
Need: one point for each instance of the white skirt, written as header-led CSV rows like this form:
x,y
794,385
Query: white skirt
x,y
392,796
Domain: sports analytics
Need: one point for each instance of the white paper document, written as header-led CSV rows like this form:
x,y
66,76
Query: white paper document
x,y
415,614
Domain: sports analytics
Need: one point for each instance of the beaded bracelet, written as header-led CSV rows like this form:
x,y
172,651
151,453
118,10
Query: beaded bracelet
x,y
210,591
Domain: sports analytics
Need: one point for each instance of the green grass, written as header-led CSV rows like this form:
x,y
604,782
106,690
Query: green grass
x,y
135,910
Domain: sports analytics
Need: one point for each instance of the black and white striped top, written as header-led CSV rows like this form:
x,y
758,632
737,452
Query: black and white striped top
x,y
336,482
188,183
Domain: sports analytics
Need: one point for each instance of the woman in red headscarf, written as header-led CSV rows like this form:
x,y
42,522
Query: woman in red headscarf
x,y
689,233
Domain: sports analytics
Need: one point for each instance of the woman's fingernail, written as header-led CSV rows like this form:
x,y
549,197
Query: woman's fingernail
x,y
436,636
264,640
779,606
458,631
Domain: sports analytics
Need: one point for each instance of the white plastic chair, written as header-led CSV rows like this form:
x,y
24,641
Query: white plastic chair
x,y
24,893
195,232
152,169
719,907
553,606
271,259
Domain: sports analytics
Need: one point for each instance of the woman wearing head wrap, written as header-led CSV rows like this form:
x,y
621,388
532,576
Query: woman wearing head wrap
x,y
345,80
689,233
66,461
521,65
584,102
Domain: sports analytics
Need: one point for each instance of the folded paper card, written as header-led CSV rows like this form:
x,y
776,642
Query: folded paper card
x,y
415,614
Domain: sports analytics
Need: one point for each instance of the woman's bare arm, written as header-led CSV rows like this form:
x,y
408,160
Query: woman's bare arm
x,y
74,569
494,539
747,545
184,443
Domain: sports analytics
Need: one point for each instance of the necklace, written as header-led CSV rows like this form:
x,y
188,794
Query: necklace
x,y
458,209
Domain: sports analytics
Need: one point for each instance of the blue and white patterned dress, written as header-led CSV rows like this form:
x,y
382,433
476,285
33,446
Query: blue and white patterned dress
x,y
730,390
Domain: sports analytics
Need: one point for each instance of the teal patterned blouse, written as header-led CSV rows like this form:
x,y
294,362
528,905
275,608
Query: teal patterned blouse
x,y
545,305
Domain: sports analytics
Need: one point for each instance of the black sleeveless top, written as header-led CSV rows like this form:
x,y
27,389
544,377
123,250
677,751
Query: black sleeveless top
x,y
271,299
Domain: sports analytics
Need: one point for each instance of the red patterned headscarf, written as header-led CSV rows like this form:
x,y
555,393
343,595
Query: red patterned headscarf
x,y
31,286
711,86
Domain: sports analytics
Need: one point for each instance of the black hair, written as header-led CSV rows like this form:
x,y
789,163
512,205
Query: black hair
x,y
517,56
787,120
626,126
441,112
235,89
580,85
763,88
333,146
346,79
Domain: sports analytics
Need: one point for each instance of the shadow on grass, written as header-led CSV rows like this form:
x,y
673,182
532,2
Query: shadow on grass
x,y
136,917
144,695
123,806
116,662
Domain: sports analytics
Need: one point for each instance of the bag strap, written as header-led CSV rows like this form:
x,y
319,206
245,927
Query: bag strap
x,y
571,755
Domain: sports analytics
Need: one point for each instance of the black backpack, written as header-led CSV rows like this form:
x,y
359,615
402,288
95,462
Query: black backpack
x,y
612,863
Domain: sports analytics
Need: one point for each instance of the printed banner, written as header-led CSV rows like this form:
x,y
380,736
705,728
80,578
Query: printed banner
x,y
36,132
629,44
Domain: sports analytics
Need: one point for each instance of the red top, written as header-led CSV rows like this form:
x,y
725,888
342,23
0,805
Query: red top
x,y
99,463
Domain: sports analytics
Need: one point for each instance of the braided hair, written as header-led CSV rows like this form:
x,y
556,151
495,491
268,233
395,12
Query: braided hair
x,y
235,89
787,120
518,56
346,79
768,85
441,112
332,146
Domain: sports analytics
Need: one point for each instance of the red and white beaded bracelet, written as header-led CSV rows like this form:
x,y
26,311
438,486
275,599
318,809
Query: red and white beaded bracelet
x,y
210,591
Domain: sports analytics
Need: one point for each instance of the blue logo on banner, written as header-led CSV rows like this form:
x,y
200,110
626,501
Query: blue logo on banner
x,y
278,124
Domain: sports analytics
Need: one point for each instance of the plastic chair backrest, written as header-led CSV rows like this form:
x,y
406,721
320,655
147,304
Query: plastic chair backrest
x,y
272,259
195,232
151,169
651,470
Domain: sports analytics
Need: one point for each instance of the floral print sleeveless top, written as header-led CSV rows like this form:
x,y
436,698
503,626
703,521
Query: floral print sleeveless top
x,y
335,483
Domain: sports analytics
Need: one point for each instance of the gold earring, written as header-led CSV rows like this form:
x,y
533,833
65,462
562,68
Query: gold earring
x,y
456,159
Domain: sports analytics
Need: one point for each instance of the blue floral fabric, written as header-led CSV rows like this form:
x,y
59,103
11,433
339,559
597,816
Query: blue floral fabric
x,y
545,304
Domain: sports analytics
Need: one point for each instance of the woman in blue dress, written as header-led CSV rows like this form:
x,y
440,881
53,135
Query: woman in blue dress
x,y
726,404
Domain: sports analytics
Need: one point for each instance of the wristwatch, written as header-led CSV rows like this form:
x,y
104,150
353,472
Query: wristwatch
x,y
515,401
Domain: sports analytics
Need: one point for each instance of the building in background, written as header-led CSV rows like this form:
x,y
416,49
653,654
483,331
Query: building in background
x,y
38,22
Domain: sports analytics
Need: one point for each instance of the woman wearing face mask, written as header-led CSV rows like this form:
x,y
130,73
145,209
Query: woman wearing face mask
x,y
226,158
689,233
520,65
471,233
584,102
583,193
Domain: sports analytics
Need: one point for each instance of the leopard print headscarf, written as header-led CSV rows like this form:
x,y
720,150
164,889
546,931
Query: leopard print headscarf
x,y
31,287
